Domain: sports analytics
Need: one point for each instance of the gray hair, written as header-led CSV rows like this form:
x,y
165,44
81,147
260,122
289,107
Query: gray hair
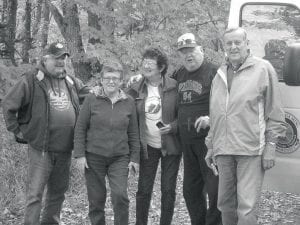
x,y
112,66
233,29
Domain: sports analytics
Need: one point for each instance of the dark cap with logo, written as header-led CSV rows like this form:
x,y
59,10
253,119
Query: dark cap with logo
x,y
56,49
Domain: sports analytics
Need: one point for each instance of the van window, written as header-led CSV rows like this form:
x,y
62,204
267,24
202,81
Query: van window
x,y
271,28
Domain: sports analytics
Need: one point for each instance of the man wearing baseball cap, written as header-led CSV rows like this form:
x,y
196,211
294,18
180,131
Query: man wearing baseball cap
x,y
41,109
194,81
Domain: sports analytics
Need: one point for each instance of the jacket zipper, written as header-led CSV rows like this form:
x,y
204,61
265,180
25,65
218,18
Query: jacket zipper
x,y
162,97
224,78
111,122
47,118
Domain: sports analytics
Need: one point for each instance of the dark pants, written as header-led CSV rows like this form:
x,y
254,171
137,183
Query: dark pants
x,y
169,171
51,170
116,169
197,176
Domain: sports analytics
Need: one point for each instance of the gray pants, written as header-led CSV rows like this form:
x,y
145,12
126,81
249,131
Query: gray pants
x,y
240,182
116,169
49,170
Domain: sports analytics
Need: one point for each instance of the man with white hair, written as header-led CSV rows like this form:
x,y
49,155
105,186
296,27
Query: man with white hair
x,y
193,86
246,120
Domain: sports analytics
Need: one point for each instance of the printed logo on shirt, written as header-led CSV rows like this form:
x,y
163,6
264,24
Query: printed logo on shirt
x,y
152,108
59,102
188,88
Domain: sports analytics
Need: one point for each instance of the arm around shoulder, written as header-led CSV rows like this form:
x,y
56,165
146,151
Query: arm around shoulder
x,y
82,89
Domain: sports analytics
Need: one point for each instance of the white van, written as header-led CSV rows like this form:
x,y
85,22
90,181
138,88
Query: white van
x,y
273,28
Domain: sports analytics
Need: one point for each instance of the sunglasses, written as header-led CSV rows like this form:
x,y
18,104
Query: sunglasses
x,y
186,42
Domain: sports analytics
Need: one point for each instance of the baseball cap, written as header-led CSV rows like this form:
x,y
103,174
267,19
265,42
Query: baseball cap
x,y
186,40
56,49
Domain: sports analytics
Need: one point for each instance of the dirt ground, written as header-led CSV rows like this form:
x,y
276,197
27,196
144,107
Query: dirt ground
x,y
274,208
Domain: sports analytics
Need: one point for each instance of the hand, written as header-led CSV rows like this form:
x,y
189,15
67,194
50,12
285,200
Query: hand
x,y
133,168
95,90
210,158
20,138
40,75
82,164
166,129
20,135
201,123
134,79
268,157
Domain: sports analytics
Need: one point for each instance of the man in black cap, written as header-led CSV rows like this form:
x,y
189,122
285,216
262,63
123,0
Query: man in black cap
x,y
41,109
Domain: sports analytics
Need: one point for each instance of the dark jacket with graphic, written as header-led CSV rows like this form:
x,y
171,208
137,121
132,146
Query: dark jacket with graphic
x,y
193,98
27,108
170,142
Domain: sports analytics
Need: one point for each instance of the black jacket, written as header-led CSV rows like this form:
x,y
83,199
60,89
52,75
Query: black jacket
x,y
26,107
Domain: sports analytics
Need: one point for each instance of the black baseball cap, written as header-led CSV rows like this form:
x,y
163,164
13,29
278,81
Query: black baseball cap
x,y
56,49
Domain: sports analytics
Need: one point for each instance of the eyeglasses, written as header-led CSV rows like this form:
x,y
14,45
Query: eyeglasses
x,y
186,42
113,79
149,63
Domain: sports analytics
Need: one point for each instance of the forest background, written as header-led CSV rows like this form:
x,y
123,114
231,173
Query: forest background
x,y
95,31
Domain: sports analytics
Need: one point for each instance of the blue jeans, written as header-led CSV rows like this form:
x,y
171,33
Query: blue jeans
x,y
116,169
169,171
199,180
51,170
240,182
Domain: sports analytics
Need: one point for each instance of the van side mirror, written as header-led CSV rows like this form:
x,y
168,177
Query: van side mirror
x,y
291,67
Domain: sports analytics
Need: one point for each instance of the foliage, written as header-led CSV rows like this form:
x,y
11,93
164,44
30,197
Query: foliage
x,y
9,76
134,25
126,28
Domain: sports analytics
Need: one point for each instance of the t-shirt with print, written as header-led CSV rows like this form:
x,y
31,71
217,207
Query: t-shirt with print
x,y
193,98
61,116
152,116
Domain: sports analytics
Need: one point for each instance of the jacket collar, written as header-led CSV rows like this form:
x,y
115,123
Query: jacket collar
x,y
42,72
222,71
99,92
249,61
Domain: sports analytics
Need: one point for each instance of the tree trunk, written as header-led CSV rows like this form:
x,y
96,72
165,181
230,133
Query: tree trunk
x,y
11,22
93,21
74,41
4,9
45,24
70,29
38,17
27,34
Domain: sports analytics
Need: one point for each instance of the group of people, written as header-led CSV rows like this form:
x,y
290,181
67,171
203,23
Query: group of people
x,y
224,120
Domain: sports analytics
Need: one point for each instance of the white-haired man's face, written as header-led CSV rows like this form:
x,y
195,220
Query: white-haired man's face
x,y
192,58
236,46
